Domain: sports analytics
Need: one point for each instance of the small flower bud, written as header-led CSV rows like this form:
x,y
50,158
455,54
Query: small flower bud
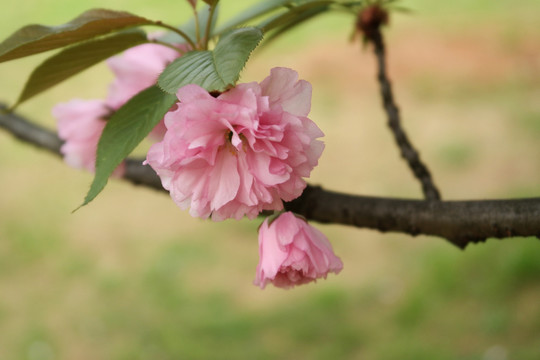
x,y
370,20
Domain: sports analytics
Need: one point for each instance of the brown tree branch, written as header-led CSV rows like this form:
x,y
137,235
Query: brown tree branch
x,y
408,152
460,222
369,23
29,132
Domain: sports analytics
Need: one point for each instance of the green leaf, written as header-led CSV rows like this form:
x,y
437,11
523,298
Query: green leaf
x,y
125,130
75,59
34,39
294,13
283,7
293,21
257,10
213,70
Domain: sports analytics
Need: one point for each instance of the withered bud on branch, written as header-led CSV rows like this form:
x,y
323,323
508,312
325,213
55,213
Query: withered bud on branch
x,y
370,20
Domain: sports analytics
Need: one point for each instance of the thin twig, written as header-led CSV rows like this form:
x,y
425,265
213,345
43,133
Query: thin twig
x,y
408,152
369,23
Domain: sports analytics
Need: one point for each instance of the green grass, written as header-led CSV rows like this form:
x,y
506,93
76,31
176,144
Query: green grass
x,y
456,154
461,301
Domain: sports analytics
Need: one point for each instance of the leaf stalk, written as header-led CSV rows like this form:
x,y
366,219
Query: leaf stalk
x,y
209,25
178,31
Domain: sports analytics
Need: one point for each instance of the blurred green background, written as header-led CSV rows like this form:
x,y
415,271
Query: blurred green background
x,y
131,276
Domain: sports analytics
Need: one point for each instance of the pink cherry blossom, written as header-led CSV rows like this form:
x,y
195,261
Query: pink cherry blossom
x,y
135,70
242,152
291,252
80,124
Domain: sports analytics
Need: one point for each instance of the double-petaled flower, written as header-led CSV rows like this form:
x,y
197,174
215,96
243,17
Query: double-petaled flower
x,y
239,153
292,252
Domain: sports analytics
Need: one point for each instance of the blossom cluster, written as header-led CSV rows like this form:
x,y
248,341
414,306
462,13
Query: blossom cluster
x,y
222,156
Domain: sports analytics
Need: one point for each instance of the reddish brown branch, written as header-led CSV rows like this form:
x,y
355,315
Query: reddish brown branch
x,y
369,23
28,132
460,222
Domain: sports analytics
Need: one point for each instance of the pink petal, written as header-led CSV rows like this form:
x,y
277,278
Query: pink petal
x,y
191,93
224,181
291,252
283,87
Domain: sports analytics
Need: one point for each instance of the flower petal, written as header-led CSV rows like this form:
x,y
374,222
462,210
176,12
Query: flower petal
x,y
283,87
